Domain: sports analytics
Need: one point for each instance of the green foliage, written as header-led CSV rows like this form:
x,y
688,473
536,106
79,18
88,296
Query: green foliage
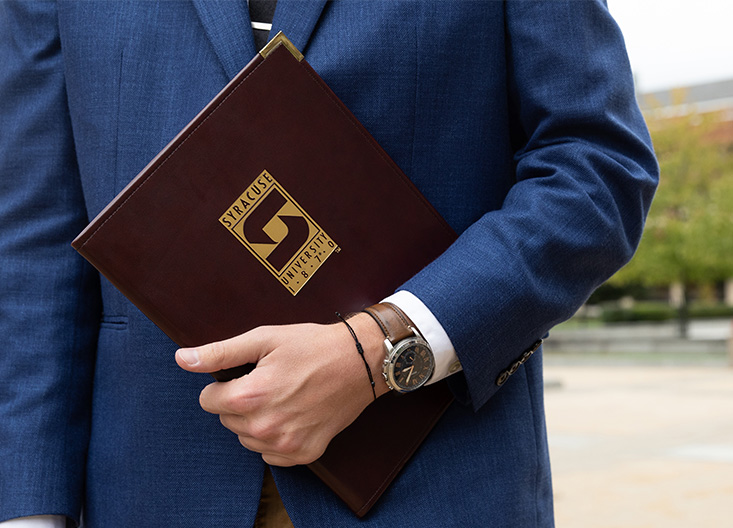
x,y
662,312
640,312
689,232
612,292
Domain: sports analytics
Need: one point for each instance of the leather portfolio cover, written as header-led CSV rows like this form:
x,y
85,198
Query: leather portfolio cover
x,y
275,206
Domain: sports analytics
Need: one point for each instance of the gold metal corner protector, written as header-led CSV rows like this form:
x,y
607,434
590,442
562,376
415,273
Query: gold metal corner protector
x,y
276,41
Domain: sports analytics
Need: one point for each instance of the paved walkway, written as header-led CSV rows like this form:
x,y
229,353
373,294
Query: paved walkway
x,y
641,446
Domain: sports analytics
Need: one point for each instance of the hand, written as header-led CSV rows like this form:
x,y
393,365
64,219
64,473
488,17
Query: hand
x,y
409,373
309,384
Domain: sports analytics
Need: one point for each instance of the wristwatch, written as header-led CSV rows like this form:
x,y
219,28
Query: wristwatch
x,y
409,362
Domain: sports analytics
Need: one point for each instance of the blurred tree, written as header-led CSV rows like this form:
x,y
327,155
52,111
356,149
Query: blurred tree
x,y
689,233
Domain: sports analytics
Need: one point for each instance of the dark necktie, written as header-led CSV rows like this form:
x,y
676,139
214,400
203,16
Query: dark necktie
x,y
261,13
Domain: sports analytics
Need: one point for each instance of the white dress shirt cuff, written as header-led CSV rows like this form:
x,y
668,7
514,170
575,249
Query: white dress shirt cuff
x,y
446,360
37,521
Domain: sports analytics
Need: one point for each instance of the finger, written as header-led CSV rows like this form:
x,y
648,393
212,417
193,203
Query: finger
x,y
277,460
255,445
236,423
240,350
279,453
273,457
226,398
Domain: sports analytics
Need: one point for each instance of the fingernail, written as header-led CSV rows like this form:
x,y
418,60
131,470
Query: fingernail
x,y
190,356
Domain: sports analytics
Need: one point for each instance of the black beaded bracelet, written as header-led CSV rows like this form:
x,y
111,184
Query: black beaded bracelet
x,y
360,349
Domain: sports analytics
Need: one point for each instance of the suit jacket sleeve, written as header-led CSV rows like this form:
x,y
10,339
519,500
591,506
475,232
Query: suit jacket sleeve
x,y
48,297
585,177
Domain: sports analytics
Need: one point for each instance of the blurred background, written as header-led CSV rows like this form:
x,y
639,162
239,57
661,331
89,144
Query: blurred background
x,y
640,382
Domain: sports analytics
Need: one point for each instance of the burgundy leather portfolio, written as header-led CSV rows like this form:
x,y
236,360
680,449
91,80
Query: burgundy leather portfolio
x,y
275,206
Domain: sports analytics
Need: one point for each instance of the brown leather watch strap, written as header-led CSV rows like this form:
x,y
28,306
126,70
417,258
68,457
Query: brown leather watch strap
x,y
393,321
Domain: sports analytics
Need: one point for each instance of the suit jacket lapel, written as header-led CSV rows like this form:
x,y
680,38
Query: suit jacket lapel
x,y
297,19
228,27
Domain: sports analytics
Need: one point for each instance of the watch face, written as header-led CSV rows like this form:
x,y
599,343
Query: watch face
x,y
412,365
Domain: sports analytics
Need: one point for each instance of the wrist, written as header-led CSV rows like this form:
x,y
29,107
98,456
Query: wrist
x,y
409,361
372,341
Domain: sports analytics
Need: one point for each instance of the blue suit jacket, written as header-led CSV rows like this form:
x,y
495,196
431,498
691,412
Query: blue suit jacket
x,y
516,119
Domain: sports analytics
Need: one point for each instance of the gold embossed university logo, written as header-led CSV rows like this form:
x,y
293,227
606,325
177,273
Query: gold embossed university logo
x,y
278,232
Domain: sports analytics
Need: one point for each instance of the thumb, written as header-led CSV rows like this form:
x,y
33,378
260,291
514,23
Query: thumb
x,y
220,355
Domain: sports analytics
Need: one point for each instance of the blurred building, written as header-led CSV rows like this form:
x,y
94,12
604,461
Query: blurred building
x,y
699,98
708,98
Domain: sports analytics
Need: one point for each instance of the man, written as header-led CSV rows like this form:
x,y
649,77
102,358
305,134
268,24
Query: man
x,y
517,120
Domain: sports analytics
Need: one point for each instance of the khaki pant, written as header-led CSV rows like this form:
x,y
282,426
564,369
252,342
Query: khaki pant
x,y
271,512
